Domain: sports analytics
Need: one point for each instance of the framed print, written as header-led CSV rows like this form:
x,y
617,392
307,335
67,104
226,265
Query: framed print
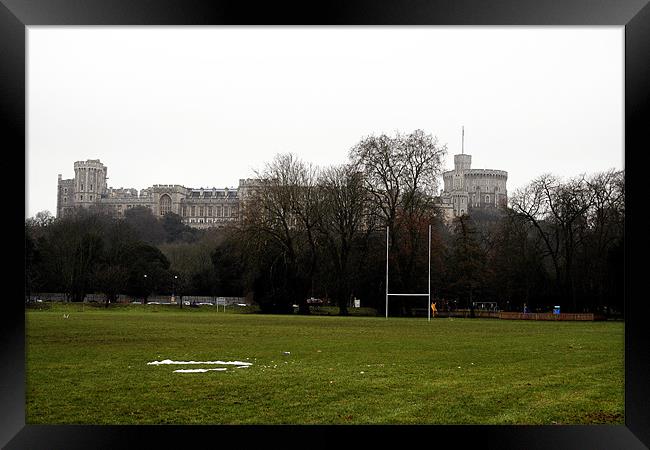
x,y
232,130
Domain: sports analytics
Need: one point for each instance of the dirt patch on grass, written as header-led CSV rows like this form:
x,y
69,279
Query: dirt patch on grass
x,y
598,417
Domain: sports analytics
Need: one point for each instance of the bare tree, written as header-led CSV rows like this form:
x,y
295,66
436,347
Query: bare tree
x,y
306,201
557,210
282,209
341,219
400,177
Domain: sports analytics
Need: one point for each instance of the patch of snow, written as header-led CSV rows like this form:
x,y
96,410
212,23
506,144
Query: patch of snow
x,y
169,361
197,370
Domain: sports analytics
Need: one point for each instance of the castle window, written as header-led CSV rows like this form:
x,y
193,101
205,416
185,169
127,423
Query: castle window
x,y
91,188
65,191
201,211
184,211
165,204
218,211
193,211
225,211
487,199
209,211
65,199
81,197
91,197
82,186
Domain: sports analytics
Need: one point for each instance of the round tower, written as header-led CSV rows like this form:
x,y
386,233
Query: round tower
x,y
89,181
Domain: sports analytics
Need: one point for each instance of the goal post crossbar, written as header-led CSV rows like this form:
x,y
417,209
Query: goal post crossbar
x,y
428,294
411,295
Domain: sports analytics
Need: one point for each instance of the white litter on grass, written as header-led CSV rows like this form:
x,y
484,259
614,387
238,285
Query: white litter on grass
x,y
197,370
169,361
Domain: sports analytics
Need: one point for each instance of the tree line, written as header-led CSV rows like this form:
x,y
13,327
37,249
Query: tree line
x,y
311,232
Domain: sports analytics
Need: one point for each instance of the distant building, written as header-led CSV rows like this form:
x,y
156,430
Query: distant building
x,y
466,189
198,208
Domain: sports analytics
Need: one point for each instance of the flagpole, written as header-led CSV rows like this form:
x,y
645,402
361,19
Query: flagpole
x,y
463,141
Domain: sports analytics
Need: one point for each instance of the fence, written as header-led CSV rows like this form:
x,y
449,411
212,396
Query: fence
x,y
551,316
58,297
522,316
467,313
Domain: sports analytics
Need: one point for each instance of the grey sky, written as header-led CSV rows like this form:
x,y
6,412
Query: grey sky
x,y
205,106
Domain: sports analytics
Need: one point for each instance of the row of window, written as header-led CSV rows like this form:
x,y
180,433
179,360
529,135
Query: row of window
x,y
217,211
81,197
203,220
129,206
474,202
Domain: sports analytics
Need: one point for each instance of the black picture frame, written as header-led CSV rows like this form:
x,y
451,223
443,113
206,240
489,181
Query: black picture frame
x,y
16,15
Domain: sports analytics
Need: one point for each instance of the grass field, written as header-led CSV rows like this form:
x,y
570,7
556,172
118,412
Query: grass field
x,y
91,368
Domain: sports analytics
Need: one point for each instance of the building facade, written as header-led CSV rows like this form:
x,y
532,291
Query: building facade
x,y
198,208
466,189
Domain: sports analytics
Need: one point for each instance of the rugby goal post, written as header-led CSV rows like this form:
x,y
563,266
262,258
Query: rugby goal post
x,y
428,294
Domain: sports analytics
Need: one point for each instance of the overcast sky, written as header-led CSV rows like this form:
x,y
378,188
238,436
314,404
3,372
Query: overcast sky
x,y
206,106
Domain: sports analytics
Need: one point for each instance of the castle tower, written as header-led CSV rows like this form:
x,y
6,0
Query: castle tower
x,y
462,162
89,181
467,189
459,194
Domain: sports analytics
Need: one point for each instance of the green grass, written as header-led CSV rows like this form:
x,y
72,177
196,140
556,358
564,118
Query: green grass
x,y
92,369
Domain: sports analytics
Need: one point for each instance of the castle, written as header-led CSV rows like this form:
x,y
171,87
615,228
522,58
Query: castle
x,y
464,189
198,208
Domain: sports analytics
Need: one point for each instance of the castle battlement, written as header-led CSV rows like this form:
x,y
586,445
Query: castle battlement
x,y
92,163
486,172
